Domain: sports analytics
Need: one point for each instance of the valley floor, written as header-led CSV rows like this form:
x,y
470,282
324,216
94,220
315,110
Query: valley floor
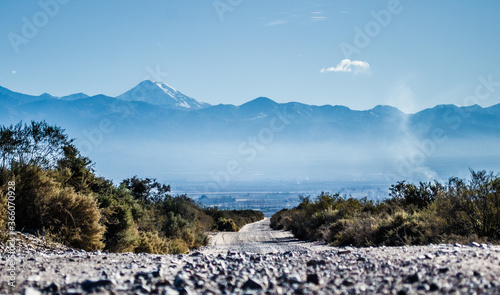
x,y
258,260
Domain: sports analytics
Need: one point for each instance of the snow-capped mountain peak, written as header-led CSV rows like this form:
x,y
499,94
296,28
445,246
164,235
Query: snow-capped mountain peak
x,y
159,93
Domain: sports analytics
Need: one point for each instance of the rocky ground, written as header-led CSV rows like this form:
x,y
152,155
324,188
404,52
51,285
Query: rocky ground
x,y
256,260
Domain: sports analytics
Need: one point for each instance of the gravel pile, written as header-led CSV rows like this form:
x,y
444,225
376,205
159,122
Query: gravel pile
x,y
291,268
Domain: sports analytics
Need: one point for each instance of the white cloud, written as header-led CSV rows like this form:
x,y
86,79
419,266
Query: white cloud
x,y
347,65
318,18
276,22
13,72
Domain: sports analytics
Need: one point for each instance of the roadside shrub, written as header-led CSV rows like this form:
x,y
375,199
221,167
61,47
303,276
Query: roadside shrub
x,y
224,224
3,215
43,204
75,217
201,240
178,246
239,217
278,220
412,197
33,187
121,232
151,243
399,229
5,177
359,231
413,215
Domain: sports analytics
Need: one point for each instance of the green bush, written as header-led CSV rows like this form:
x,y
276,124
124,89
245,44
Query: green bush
x,y
121,231
41,203
413,215
224,224
3,214
178,246
151,243
239,217
361,231
75,217
5,177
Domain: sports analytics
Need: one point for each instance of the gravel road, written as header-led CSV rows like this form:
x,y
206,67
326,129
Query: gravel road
x,y
258,237
257,260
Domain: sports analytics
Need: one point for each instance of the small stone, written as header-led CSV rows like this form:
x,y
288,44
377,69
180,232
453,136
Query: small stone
x,y
34,278
141,288
429,256
31,291
303,291
156,273
252,284
475,244
186,291
348,282
313,278
163,283
104,274
294,278
91,286
413,278
433,287
144,275
51,288
423,287
315,263
443,270
343,252
73,291
179,281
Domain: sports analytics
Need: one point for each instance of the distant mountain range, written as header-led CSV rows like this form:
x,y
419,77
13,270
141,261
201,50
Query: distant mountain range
x,y
155,130
155,93
158,93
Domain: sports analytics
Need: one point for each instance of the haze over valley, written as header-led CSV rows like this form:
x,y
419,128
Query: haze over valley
x,y
154,130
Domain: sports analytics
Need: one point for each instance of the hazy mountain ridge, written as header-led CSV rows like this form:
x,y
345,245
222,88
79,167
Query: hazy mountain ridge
x,y
161,136
158,93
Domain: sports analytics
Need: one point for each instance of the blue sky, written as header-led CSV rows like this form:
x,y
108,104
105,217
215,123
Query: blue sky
x,y
414,55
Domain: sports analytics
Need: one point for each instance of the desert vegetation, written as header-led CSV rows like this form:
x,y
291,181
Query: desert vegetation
x,y
59,195
414,214
232,220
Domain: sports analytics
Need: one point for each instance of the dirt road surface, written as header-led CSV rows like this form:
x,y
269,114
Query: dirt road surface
x,y
256,260
258,237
